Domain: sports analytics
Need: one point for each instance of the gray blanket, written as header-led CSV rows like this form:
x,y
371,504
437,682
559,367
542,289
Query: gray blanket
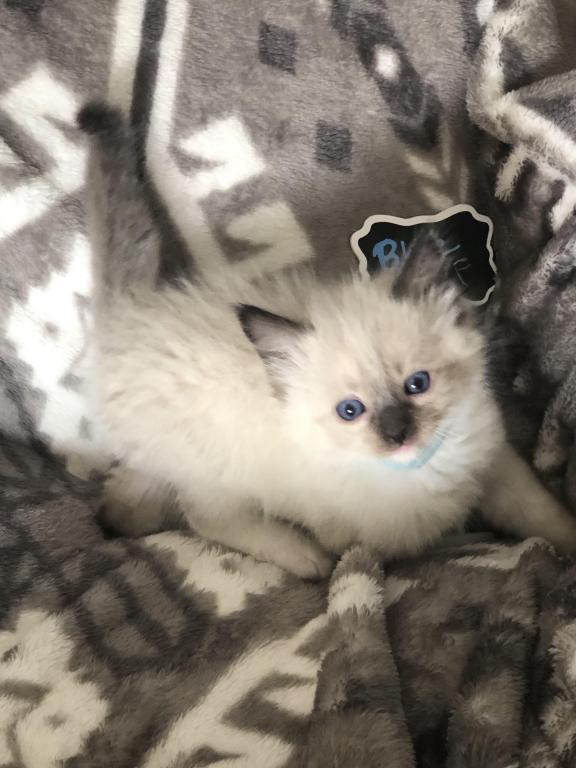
x,y
268,132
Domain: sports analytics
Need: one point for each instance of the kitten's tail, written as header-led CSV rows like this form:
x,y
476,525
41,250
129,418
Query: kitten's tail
x,y
125,240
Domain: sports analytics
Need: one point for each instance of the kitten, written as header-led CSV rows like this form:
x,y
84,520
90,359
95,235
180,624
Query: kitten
x,y
359,411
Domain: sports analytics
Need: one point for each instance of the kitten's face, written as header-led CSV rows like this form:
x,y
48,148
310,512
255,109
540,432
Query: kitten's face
x,y
379,377
374,375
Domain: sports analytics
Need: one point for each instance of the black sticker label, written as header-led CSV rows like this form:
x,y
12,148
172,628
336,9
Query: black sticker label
x,y
466,236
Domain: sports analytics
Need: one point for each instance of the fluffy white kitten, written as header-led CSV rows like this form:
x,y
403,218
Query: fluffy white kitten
x,y
359,411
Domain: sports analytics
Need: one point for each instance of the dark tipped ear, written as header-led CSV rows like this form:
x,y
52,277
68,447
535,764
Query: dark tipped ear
x,y
274,337
428,269
425,267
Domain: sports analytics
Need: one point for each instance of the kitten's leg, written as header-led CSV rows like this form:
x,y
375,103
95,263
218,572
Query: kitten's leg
x,y
555,434
135,504
266,539
516,501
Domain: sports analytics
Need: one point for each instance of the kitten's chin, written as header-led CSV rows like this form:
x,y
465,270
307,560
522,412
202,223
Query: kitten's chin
x,y
405,454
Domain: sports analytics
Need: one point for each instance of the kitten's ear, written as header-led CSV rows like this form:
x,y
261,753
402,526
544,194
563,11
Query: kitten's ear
x,y
425,267
427,270
274,337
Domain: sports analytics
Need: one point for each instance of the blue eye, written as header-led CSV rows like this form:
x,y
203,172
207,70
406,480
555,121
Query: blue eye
x,y
417,383
350,409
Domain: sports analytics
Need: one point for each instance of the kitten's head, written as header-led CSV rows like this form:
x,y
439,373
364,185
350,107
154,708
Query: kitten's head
x,y
380,366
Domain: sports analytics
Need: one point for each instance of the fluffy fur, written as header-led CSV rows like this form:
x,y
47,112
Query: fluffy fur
x,y
225,395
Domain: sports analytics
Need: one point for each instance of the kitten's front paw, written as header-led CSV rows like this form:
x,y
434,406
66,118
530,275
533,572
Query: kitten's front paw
x,y
549,457
567,544
303,558
133,522
562,535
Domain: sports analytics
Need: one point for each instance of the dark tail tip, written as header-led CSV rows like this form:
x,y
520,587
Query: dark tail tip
x,y
97,117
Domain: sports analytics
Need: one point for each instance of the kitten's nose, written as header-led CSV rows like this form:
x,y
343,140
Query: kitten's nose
x,y
395,423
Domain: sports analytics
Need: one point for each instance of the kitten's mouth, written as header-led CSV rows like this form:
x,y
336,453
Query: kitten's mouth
x,y
415,454
406,452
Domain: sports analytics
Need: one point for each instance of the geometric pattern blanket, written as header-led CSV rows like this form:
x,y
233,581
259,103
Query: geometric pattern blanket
x,y
268,132
167,652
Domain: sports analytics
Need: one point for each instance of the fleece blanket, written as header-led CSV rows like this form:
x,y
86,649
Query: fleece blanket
x,y
268,132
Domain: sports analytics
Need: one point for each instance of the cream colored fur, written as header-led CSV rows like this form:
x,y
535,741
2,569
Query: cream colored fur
x,y
188,403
